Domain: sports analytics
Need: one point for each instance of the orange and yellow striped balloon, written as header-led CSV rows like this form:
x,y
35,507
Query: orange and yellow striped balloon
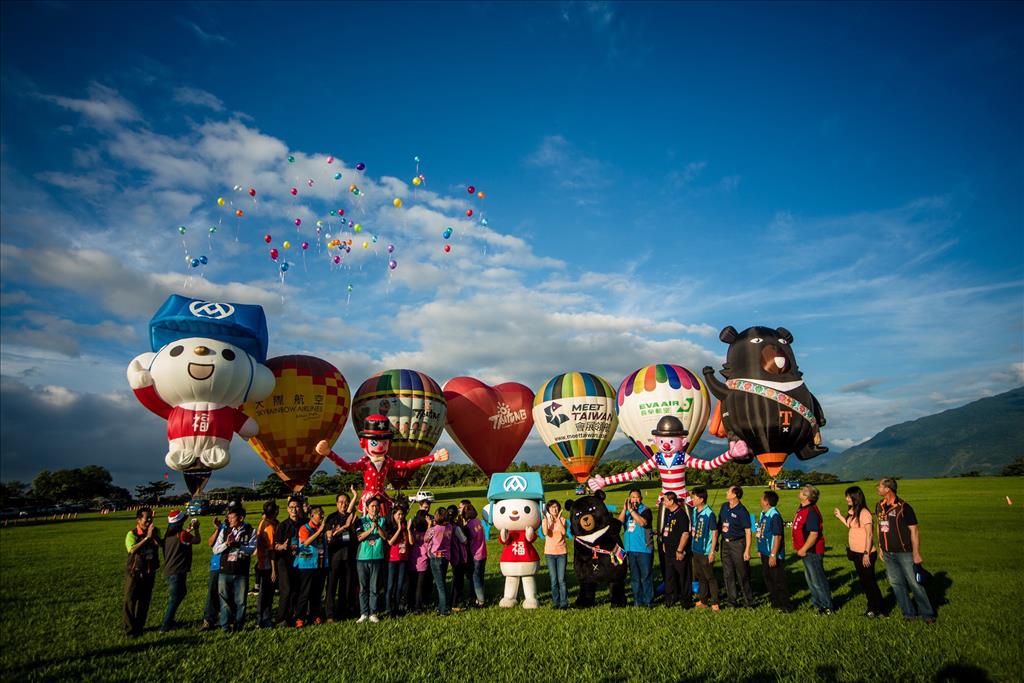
x,y
310,403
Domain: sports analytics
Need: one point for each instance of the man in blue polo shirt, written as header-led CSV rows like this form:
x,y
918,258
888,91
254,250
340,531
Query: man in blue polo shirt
x,y
705,536
639,546
771,546
734,528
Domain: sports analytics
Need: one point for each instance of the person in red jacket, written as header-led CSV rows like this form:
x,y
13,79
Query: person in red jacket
x,y
375,440
809,543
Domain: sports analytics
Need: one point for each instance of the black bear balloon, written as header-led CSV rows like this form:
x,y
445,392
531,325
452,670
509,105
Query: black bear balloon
x,y
764,400
597,550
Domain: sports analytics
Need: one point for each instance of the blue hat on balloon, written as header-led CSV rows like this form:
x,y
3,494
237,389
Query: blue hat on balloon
x,y
243,325
508,485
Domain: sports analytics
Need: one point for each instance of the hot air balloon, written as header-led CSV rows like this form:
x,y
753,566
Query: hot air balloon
x,y
764,400
415,406
310,403
650,393
488,423
575,416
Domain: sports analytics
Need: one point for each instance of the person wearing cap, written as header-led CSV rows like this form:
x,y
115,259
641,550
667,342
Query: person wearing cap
x,y
900,541
236,544
671,460
376,466
177,546
734,529
142,544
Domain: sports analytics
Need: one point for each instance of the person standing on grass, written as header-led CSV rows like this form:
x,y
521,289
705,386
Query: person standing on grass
x,y
286,547
371,556
703,541
555,553
771,546
639,546
399,546
675,544
809,543
143,545
477,550
419,564
177,562
860,546
236,545
734,525
461,566
310,564
211,613
901,549
266,569
342,547
438,541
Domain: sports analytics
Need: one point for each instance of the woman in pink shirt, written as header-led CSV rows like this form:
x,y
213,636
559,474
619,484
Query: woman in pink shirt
x,y
477,549
438,540
419,565
399,545
860,546
555,553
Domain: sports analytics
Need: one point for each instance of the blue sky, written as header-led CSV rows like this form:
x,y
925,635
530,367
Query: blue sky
x,y
653,172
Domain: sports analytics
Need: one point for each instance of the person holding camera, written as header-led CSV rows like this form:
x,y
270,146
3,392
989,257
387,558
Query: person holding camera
x,y
177,545
555,553
236,545
142,543
342,547
639,546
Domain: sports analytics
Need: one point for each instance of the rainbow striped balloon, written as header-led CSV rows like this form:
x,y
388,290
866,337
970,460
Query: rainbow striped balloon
x,y
652,392
575,416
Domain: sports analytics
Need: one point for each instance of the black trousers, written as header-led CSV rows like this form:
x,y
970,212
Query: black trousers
x,y
138,592
459,573
736,571
420,586
866,576
705,574
311,586
775,582
341,579
288,586
678,579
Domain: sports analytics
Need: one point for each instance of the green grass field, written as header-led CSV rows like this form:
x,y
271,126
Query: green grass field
x,y
61,591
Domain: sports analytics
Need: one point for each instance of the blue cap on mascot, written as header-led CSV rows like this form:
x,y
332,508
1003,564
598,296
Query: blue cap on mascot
x,y
243,325
507,485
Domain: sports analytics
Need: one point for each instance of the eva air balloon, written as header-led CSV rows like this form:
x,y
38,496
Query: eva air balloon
x,y
575,416
654,391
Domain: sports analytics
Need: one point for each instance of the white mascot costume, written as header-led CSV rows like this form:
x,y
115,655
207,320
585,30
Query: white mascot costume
x,y
207,360
514,507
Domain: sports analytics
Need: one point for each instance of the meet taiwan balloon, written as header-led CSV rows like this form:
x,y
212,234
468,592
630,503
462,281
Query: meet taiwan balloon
x,y
415,406
652,392
764,400
575,416
310,403
490,424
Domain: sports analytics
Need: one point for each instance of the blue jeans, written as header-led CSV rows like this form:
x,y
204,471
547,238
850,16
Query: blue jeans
x,y
640,567
439,568
396,582
478,578
899,567
233,590
368,571
177,587
556,568
211,613
814,572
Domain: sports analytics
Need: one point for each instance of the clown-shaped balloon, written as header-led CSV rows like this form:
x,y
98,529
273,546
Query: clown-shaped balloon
x,y
764,400
376,465
207,360
514,502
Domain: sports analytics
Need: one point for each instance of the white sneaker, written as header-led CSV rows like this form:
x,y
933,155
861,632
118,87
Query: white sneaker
x,y
374,619
361,619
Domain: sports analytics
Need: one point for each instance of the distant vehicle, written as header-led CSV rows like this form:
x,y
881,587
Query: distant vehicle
x,y
789,484
421,496
581,489
197,507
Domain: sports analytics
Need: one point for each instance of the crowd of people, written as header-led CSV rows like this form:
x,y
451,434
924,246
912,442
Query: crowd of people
x,y
390,560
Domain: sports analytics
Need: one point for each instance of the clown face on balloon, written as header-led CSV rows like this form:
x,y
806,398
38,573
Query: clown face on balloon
x,y
376,465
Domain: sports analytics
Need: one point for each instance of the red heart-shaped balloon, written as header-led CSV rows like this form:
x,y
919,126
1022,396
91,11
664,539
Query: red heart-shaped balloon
x,y
488,423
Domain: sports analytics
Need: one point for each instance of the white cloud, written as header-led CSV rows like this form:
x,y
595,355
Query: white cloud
x,y
104,106
198,97
58,396
1018,371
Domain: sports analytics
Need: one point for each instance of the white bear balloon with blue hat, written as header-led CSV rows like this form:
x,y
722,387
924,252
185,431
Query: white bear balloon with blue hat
x,y
514,502
206,361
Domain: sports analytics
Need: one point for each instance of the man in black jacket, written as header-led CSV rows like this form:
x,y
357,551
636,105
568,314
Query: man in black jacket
x,y
286,545
341,554
177,562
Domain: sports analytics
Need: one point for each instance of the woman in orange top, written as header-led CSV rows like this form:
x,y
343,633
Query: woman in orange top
x,y
860,546
266,571
555,553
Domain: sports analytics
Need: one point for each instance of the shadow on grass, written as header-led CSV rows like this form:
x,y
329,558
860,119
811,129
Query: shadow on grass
x,y
92,662
955,672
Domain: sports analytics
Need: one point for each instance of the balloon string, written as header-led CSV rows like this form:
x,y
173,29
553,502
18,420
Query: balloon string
x,y
424,482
